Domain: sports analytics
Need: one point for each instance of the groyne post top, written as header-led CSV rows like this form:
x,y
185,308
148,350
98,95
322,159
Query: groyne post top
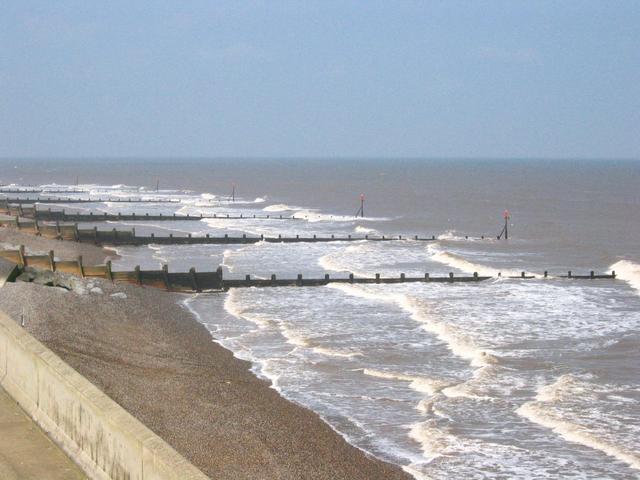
x,y
52,263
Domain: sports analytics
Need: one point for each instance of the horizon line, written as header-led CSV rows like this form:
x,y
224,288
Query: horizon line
x,y
312,157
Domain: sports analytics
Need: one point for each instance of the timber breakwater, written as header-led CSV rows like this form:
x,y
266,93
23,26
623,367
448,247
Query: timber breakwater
x,y
116,236
194,281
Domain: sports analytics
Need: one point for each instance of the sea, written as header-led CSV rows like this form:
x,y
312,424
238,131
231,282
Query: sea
x,y
504,378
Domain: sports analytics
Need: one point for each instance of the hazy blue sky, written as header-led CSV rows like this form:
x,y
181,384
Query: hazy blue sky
x,y
362,78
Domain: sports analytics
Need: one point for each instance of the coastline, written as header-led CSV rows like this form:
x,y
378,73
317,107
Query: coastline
x,y
152,356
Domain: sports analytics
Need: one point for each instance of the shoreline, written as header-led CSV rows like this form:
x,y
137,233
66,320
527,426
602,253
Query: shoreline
x,y
151,355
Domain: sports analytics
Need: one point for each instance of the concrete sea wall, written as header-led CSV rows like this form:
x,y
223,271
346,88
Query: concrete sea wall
x,y
98,434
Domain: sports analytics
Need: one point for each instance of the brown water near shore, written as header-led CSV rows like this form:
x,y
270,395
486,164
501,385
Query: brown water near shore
x,y
152,357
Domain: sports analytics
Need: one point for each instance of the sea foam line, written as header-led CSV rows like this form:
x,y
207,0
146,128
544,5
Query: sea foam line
x,y
538,411
457,261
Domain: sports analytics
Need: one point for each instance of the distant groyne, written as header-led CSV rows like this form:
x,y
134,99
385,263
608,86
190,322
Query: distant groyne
x,y
29,211
52,200
128,237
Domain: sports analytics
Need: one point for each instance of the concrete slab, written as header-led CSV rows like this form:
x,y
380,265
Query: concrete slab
x,y
25,450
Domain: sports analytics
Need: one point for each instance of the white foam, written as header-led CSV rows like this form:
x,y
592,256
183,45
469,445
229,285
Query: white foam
x,y
457,261
427,385
330,352
279,207
541,411
629,272
361,229
457,341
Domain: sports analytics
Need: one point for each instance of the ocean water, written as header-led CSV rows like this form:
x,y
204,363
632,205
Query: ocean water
x,y
499,379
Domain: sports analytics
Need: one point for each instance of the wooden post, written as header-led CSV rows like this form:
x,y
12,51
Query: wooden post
x,y
546,274
37,227
521,274
475,276
17,222
273,278
194,279
351,277
21,258
136,269
402,277
592,274
613,274
52,262
76,235
109,272
426,276
80,266
299,281
377,278
451,276
165,276
569,274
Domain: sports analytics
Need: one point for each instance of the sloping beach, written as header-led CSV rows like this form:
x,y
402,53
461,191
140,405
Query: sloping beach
x,y
150,355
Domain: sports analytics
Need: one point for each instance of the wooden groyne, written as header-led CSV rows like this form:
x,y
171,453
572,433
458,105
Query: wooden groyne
x,y
190,281
39,190
193,281
30,211
88,200
115,236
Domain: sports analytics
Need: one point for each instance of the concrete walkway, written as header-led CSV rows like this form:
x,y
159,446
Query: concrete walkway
x,y
25,450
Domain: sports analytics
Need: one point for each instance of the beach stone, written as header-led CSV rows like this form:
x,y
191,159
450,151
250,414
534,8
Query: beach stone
x,y
39,277
96,290
119,295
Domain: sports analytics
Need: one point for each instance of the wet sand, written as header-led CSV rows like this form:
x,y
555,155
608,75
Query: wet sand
x,y
152,357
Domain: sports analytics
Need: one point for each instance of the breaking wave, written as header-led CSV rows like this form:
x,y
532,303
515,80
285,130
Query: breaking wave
x,y
543,410
629,272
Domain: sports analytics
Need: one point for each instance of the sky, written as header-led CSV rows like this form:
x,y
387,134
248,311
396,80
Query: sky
x,y
489,79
